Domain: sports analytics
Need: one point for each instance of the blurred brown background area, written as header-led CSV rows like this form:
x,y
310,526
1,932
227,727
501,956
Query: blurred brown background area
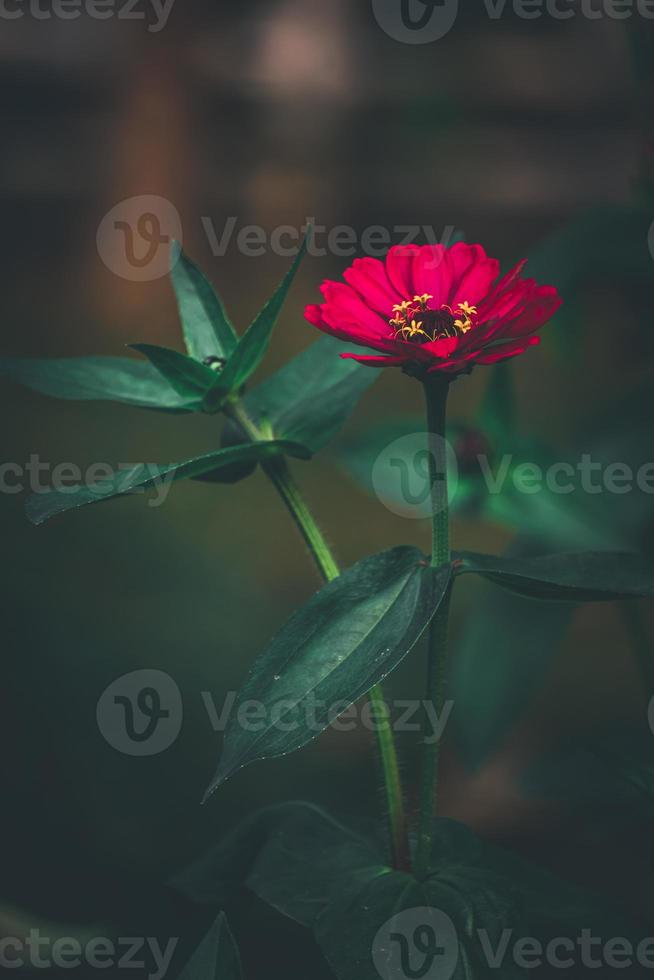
x,y
270,112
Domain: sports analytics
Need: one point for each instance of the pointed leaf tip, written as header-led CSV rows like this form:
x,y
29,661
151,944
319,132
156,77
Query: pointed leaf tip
x,y
207,329
592,576
253,345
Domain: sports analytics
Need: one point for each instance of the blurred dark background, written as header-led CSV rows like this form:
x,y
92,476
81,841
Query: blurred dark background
x,y
511,132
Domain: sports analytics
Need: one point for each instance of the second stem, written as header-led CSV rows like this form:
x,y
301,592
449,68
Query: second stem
x,y
278,472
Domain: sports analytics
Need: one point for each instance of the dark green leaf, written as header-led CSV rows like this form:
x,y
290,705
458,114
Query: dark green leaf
x,y
365,915
207,329
117,379
187,376
252,346
502,654
311,397
144,476
346,639
216,958
215,877
608,778
312,840
576,577
232,435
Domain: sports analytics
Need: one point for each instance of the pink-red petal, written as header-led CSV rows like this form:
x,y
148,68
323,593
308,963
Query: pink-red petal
x,y
503,351
376,361
399,269
368,277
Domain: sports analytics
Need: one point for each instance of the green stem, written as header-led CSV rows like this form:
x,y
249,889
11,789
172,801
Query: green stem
x,y
436,390
279,473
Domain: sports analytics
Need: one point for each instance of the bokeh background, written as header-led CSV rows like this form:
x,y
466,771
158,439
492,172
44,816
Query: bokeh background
x,y
531,137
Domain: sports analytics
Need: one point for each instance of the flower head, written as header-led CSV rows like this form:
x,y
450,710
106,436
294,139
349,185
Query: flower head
x,y
431,308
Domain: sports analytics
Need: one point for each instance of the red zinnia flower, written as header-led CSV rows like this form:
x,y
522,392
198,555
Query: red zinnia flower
x,y
431,308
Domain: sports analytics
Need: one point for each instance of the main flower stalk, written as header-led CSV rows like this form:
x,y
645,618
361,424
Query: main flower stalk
x,y
436,391
280,475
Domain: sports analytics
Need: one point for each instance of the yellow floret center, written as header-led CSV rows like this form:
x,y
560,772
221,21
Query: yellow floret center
x,y
414,320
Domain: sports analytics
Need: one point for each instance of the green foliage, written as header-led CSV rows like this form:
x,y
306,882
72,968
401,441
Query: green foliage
x,y
252,346
346,639
207,329
502,654
118,379
357,629
607,777
137,479
507,647
189,378
215,877
311,397
308,400
180,382
573,577
339,884
217,957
